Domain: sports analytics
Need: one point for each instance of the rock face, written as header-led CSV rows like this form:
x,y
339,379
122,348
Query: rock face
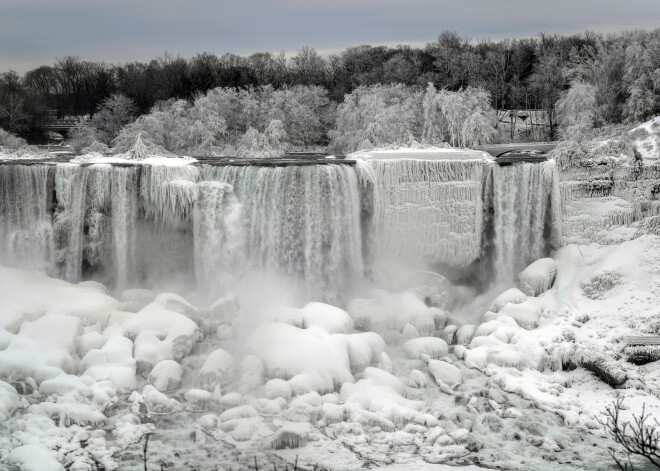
x,y
538,277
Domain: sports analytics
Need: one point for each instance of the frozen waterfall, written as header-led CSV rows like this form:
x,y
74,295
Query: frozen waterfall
x,y
147,225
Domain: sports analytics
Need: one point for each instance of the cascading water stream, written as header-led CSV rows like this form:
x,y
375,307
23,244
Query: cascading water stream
x,y
521,197
218,237
71,188
124,217
26,231
301,221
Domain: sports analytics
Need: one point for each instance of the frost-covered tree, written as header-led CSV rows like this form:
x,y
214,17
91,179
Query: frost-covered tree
x,y
10,141
577,111
257,145
83,135
468,115
376,116
433,131
114,113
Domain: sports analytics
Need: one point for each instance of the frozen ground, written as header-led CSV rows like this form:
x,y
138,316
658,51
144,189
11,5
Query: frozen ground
x,y
383,383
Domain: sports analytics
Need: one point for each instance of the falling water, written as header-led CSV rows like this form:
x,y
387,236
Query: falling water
x,y
71,188
218,237
521,195
26,231
301,221
124,216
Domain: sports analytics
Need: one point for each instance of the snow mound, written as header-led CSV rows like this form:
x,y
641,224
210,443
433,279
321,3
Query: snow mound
x,y
512,295
166,375
538,277
34,458
218,370
434,347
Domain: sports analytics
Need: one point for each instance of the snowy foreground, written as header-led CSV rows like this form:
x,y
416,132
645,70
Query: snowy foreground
x,y
385,383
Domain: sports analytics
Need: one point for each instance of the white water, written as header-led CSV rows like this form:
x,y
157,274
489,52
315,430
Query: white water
x,y
26,232
301,221
124,217
521,196
218,237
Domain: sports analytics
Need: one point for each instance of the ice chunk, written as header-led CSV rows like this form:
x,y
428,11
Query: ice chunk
x,y
9,401
446,373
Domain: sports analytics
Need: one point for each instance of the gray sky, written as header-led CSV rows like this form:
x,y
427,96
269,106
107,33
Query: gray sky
x,y
35,32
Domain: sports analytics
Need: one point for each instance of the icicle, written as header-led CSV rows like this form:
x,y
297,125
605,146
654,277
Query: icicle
x,y
169,192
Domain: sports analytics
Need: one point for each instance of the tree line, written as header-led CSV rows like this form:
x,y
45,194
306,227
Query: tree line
x,y
623,70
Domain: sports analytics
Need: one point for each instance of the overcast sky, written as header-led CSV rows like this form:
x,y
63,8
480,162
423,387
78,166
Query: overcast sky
x,y
35,32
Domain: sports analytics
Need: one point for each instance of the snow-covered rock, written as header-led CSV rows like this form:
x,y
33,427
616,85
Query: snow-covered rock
x,y
445,373
217,370
512,295
432,346
538,277
166,375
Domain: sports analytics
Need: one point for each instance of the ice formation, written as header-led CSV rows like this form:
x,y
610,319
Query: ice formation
x,y
425,209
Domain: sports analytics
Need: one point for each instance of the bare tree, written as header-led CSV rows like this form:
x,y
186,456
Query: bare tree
x,y
639,437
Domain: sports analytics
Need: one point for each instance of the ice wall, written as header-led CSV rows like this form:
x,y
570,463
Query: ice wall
x,y
601,202
425,210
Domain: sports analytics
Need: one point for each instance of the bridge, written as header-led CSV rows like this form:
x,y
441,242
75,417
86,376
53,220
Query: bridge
x,y
511,149
63,125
